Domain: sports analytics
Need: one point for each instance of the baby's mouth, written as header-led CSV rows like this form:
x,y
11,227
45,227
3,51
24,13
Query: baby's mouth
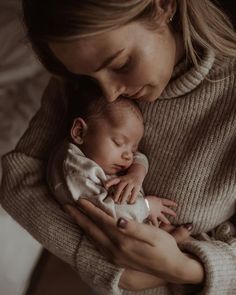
x,y
119,167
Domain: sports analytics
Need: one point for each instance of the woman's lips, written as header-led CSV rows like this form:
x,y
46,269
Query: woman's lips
x,y
138,94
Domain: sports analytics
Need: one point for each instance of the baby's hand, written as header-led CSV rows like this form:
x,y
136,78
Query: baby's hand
x,y
127,188
158,208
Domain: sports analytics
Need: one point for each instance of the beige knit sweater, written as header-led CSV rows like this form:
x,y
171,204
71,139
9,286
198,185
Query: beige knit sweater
x,y
190,140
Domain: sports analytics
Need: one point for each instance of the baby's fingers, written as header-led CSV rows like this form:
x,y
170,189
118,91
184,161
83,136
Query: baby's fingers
x,y
168,202
168,211
118,193
134,195
112,182
153,220
163,219
125,194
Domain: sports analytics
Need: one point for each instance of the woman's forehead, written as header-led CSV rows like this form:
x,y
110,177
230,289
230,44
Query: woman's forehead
x,y
89,53
84,55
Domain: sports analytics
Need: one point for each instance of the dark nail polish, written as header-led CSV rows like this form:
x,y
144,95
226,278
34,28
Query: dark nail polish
x,y
122,223
188,226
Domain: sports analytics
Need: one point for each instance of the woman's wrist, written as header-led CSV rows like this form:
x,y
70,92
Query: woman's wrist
x,y
136,281
190,271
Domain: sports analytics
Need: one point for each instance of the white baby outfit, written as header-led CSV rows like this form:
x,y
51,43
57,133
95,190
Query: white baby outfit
x,y
72,175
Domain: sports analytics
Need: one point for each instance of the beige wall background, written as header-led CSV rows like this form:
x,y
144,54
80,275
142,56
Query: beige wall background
x,y
22,81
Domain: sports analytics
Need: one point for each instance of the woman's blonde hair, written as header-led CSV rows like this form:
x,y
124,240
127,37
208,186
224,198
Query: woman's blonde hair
x,y
200,22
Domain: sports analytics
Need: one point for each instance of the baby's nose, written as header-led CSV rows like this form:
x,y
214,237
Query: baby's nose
x,y
128,155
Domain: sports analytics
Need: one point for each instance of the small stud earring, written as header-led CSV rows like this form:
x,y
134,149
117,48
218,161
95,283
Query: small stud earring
x,y
170,19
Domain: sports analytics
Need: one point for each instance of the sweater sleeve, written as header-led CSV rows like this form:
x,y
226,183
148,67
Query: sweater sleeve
x,y
219,262
140,158
26,197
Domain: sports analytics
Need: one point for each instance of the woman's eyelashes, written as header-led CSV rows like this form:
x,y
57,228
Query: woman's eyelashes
x,y
123,67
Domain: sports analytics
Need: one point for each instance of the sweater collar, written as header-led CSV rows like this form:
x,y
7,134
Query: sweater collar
x,y
186,78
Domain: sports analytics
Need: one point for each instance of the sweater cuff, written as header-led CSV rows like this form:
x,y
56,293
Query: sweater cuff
x,y
219,262
96,271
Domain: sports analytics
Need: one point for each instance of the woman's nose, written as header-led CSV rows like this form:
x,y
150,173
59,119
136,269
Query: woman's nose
x,y
112,89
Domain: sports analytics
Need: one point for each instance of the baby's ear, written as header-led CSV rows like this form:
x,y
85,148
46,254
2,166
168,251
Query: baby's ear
x,y
78,130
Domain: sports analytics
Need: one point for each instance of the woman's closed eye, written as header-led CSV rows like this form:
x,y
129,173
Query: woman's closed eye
x,y
123,67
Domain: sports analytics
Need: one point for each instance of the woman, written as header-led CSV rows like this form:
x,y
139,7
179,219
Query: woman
x,y
177,59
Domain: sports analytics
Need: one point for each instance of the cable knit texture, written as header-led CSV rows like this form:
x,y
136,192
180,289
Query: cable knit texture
x,y
190,141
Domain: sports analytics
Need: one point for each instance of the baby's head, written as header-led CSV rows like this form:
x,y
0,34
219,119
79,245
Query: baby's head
x,y
109,133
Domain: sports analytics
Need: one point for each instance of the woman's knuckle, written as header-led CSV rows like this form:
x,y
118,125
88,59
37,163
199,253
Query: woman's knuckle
x,y
123,245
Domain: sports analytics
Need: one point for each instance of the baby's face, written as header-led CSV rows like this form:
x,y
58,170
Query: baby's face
x,y
113,147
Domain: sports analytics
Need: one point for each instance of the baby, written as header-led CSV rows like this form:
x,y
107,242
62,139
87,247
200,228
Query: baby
x,y
100,162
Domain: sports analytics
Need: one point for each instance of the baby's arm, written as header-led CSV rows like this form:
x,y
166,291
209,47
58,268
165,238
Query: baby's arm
x,y
129,185
159,207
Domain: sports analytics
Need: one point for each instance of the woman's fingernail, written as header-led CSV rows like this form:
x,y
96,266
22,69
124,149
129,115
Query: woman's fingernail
x,y
188,226
122,223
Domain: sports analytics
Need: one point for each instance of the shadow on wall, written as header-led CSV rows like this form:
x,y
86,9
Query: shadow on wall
x,y
53,276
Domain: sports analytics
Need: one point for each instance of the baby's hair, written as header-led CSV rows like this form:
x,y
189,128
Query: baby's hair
x,y
86,101
121,107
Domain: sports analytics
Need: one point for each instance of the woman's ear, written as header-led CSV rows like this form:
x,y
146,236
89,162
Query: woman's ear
x,y
169,8
78,130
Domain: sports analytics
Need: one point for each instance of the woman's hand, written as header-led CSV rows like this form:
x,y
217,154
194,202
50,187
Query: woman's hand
x,y
137,246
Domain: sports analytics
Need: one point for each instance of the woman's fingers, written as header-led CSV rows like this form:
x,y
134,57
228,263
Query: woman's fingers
x,y
92,231
182,233
102,220
139,231
167,227
96,214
